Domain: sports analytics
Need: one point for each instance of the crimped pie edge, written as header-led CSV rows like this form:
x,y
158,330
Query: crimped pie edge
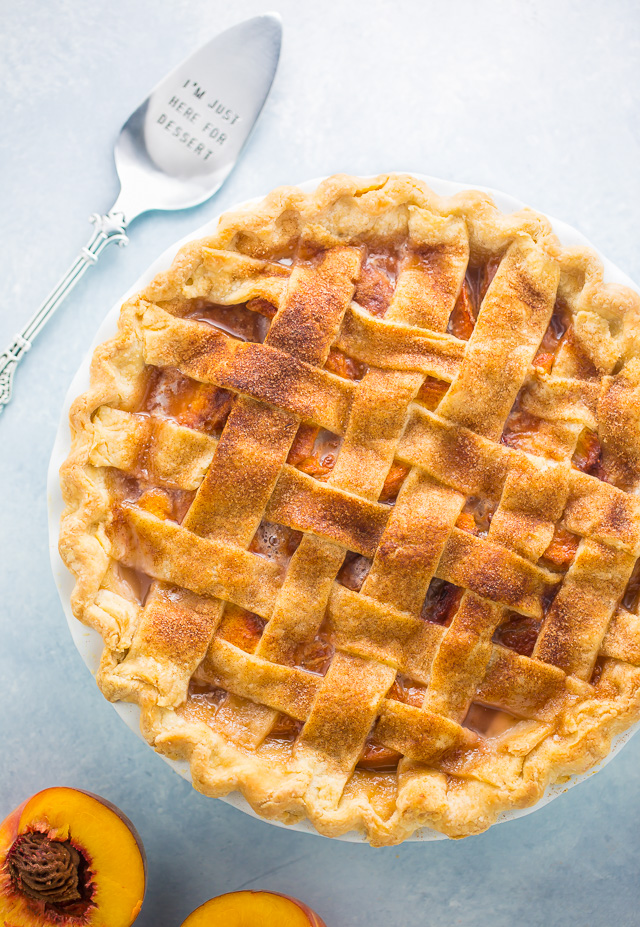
x,y
85,549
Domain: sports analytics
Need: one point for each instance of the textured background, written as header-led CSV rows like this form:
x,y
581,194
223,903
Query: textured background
x,y
539,99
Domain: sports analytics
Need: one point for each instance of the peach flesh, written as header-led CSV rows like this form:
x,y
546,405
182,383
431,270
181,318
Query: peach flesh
x,y
68,857
253,909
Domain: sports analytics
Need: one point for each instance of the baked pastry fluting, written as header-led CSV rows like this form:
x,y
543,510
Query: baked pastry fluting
x,y
351,501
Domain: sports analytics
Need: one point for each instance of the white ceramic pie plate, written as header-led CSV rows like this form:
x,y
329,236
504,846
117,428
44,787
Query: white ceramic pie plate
x,y
89,642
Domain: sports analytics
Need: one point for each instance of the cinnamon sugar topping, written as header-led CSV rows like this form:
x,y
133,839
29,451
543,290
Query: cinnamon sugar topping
x,y
352,501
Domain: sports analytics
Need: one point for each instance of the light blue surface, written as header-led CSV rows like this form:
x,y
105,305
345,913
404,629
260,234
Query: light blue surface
x,y
538,99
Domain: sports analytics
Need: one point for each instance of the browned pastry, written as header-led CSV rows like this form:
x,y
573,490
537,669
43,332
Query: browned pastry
x,y
352,502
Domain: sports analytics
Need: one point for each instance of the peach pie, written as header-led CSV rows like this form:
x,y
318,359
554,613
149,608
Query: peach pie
x,y
352,501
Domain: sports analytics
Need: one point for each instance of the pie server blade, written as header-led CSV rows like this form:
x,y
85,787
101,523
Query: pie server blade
x,y
176,150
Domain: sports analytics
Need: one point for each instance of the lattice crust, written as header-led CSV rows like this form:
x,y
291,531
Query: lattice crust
x,y
439,618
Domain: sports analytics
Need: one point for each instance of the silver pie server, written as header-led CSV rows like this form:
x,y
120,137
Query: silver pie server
x,y
176,150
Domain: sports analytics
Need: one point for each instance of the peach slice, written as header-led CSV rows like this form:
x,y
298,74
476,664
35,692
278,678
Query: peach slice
x,y
253,909
68,857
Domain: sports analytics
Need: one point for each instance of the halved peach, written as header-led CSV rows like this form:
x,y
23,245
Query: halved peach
x,y
68,857
253,909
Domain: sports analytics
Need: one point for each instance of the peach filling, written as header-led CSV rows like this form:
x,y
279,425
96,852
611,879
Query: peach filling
x,y
441,602
204,696
378,277
263,307
172,504
170,395
314,451
476,516
167,504
534,435
485,277
631,596
461,323
597,671
316,655
474,289
526,432
375,755
553,338
376,284
562,549
463,318
136,582
344,366
354,571
431,392
588,454
488,722
523,430
518,632
393,482
241,628
202,406
245,321
275,542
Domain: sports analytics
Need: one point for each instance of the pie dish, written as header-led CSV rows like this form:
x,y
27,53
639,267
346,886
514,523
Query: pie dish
x,y
351,501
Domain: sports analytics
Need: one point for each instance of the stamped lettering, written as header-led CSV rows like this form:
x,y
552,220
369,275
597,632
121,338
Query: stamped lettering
x,y
197,119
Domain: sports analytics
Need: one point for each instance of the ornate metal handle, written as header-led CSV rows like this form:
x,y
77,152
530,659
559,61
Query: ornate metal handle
x,y
108,228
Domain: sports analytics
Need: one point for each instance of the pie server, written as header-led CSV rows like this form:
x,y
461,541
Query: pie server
x,y
176,150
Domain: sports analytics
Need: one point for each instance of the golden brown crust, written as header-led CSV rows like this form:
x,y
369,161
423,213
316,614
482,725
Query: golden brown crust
x,y
449,778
